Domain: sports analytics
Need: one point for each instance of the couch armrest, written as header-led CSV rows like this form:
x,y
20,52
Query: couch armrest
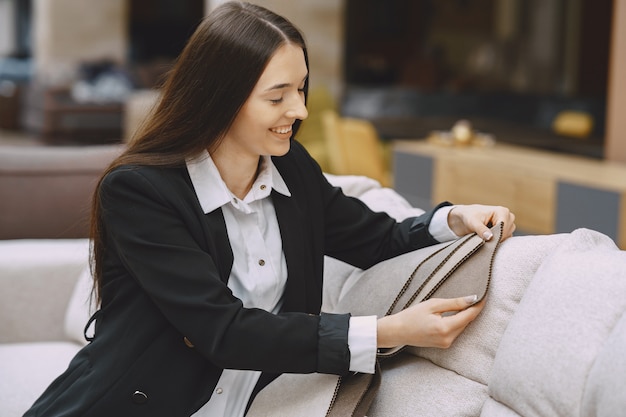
x,y
46,190
37,277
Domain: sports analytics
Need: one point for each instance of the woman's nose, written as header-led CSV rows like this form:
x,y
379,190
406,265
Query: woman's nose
x,y
298,109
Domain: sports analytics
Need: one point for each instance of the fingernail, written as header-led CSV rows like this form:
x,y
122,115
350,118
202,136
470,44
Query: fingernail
x,y
471,299
487,235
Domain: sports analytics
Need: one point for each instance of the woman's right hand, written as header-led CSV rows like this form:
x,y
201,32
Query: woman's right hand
x,y
425,324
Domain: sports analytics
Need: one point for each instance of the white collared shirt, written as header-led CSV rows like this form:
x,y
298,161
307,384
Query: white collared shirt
x,y
259,273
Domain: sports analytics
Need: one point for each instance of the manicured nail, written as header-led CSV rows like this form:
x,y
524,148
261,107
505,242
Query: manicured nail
x,y
471,299
487,235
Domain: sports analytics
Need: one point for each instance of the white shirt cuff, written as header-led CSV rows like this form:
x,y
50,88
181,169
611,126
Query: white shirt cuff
x,y
439,228
362,343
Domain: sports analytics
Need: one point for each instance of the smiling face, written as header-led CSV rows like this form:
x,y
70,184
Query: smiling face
x,y
263,126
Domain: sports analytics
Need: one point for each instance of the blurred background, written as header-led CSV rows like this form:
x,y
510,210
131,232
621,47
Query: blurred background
x,y
409,66
543,75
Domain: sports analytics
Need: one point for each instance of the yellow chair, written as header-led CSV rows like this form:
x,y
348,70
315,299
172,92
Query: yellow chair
x,y
354,148
311,133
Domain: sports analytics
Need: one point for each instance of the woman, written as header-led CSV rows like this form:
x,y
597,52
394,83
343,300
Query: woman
x,y
209,234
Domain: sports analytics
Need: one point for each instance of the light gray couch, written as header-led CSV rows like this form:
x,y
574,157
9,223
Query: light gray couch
x,y
550,341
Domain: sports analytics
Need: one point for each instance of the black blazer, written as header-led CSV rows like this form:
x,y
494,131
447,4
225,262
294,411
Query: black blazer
x,y
168,324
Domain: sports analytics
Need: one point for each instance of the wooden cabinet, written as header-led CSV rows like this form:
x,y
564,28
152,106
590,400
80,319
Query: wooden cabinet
x,y
548,192
53,115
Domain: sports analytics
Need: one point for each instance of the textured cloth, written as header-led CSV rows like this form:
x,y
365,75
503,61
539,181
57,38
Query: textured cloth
x,y
26,369
605,391
414,387
422,381
473,352
493,408
22,276
561,327
80,307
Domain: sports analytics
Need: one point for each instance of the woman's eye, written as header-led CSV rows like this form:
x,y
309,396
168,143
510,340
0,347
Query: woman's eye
x,y
276,101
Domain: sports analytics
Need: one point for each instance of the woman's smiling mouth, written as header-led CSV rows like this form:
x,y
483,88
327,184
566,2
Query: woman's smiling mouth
x,y
281,130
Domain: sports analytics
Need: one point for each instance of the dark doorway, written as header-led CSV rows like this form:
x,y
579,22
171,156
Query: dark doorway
x,y
158,30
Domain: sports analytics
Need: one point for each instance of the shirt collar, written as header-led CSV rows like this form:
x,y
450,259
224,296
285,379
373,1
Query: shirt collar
x,y
213,193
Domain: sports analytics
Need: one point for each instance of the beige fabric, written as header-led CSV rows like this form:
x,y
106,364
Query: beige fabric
x,y
336,274
473,353
492,408
26,369
560,327
295,395
471,356
28,313
452,268
605,391
80,307
414,387
372,291
427,269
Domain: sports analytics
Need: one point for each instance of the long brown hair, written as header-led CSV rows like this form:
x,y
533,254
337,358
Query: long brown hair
x,y
208,85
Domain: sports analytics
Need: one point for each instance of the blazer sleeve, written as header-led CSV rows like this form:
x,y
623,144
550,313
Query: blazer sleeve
x,y
353,232
363,238
150,227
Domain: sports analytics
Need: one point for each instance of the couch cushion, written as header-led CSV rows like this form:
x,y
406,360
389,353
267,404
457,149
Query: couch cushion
x,y
80,307
514,266
37,278
473,352
336,273
493,408
416,387
605,393
560,327
27,369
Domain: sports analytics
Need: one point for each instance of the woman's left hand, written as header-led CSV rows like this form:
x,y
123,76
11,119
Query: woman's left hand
x,y
477,218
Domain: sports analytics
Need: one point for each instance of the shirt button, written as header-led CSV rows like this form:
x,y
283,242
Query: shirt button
x,y
262,187
261,262
234,201
219,391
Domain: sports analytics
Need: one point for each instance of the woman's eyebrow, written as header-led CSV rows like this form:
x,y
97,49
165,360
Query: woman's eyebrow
x,y
279,86
283,85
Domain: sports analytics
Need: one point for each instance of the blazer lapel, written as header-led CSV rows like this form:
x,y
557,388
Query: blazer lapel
x,y
215,234
218,243
294,243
